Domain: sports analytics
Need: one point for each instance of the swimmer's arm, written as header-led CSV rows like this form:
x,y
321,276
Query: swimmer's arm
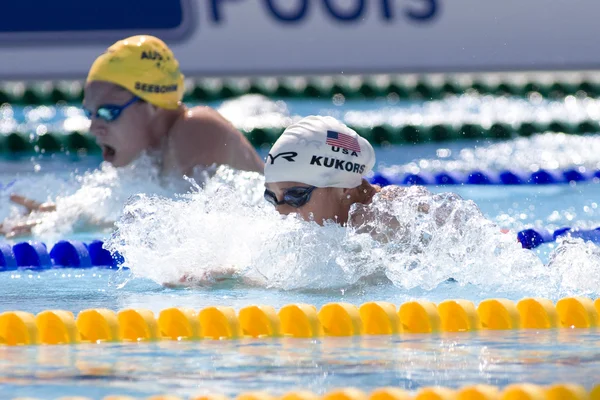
x,y
32,205
15,231
211,278
380,222
206,138
24,228
11,231
383,225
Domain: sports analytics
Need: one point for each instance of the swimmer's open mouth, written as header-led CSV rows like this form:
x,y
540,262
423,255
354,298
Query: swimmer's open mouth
x,y
108,152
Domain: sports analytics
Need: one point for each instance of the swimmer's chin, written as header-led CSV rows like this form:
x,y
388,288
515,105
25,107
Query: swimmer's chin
x,y
117,161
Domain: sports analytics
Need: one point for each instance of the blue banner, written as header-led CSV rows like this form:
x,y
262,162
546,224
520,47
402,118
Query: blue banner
x,y
76,20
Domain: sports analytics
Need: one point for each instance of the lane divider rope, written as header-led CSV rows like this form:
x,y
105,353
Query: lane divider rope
x,y
53,327
57,142
401,87
517,391
34,255
488,177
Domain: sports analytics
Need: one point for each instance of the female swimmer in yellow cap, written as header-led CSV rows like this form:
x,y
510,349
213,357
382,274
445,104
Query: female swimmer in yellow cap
x,y
133,98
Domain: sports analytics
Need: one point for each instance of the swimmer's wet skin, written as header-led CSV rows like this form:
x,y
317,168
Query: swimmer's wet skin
x,y
133,97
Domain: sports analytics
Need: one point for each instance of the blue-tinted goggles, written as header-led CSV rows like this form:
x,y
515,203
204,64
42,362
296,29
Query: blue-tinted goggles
x,y
296,196
110,112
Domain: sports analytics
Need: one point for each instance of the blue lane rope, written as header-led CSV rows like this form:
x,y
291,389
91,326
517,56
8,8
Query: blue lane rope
x,y
532,238
75,254
34,255
4,187
487,177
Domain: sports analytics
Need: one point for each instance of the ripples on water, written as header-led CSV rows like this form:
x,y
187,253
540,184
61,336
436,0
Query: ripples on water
x,y
278,366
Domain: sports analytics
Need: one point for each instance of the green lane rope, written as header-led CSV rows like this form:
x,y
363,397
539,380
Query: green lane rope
x,y
379,135
401,87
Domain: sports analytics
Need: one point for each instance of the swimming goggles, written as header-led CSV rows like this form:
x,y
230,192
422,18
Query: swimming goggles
x,y
296,196
110,112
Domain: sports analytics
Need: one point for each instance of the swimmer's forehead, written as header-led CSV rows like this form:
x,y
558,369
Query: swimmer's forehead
x,y
97,93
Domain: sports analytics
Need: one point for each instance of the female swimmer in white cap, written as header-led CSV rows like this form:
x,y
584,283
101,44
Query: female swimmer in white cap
x,y
316,169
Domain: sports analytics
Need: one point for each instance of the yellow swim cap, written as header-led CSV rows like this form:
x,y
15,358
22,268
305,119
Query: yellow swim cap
x,y
145,66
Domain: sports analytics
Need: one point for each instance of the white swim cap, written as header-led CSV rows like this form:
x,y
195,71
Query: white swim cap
x,y
322,152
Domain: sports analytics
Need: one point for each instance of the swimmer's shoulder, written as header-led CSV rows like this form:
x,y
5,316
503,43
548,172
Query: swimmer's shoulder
x,y
202,123
202,136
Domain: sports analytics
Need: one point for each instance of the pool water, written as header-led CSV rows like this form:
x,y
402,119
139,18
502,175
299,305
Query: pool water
x,y
84,185
281,365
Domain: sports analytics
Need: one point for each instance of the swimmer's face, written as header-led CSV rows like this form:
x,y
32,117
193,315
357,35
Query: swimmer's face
x,y
324,203
123,139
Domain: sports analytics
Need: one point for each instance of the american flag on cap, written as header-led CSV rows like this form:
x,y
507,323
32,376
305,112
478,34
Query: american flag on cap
x,y
342,140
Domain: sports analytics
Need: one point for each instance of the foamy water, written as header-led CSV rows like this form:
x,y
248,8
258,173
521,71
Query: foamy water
x,y
91,200
222,233
225,232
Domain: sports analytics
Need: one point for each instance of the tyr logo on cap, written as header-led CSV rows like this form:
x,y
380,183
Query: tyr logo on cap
x,y
287,155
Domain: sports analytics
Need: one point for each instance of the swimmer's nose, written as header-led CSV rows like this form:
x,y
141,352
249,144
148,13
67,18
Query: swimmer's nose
x,y
97,128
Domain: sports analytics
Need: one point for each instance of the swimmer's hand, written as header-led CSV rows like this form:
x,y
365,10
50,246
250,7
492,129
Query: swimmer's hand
x,y
32,205
24,228
12,230
208,278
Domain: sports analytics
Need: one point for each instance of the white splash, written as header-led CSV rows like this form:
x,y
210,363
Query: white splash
x,y
226,231
197,235
91,200
576,264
